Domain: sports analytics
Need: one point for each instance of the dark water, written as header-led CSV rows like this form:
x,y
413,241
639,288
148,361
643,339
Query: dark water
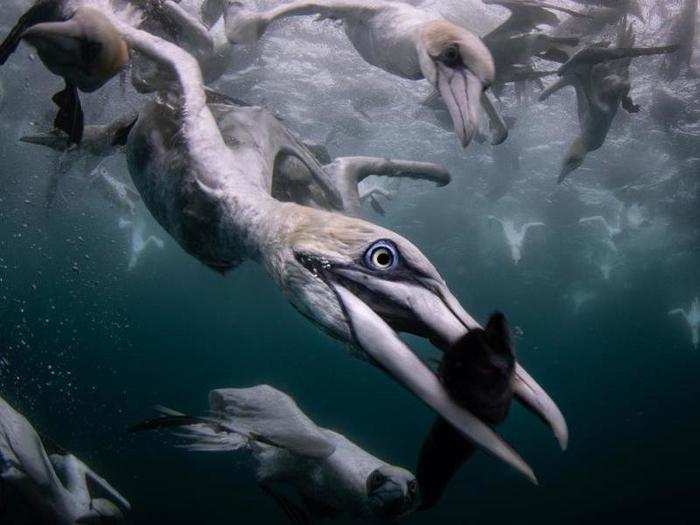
x,y
88,347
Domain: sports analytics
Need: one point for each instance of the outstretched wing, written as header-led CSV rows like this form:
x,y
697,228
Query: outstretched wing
x,y
525,16
41,11
242,416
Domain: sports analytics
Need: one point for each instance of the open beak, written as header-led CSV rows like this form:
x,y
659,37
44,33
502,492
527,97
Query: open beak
x,y
441,319
461,90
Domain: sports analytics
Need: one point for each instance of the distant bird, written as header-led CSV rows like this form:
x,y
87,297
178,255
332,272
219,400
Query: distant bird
x,y
371,196
404,40
580,297
139,241
692,317
37,487
515,237
118,194
327,474
612,229
601,78
76,41
684,31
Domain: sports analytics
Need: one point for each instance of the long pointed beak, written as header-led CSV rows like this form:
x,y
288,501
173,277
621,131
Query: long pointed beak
x,y
49,140
383,345
461,90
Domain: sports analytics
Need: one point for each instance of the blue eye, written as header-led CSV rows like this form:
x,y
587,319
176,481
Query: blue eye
x,y
382,256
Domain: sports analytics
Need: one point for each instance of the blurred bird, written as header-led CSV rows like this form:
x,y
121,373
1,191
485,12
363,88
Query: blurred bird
x,y
515,237
139,241
692,317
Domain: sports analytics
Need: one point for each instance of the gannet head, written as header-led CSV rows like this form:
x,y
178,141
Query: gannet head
x,y
392,492
460,67
86,49
573,160
362,284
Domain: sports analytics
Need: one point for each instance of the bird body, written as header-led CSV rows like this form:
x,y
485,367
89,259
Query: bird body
x,y
54,489
692,317
328,474
515,237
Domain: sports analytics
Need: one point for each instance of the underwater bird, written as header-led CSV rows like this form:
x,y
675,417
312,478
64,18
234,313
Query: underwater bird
x,y
600,76
139,241
684,31
370,195
612,229
327,474
211,191
403,40
580,297
99,142
54,487
515,237
75,41
478,372
692,317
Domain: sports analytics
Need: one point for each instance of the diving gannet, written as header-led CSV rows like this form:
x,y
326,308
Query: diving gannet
x,y
600,76
57,488
515,237
75,41
329,475
371,196
139,243
685,31
357,281
692,317
401,39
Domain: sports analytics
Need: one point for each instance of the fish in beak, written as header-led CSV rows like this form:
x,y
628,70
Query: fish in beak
x,y
461,68
364,285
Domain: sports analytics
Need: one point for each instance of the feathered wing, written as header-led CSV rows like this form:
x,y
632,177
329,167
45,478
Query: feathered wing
x,y
243,416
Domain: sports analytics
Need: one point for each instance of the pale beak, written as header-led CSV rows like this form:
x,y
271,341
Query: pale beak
x,y
438,316
461,90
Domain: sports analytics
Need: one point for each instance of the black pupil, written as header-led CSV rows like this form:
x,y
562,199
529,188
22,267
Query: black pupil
x,y
451,56
383,258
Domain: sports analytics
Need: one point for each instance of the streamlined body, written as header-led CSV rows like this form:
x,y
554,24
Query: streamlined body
x,y
53,488
327,474
358,282
600,76
515,237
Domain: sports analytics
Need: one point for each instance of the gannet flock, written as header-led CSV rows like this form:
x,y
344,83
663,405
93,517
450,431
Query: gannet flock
x,y
231,181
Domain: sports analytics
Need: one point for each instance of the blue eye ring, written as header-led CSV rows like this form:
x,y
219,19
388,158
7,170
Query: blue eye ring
x,y
382,256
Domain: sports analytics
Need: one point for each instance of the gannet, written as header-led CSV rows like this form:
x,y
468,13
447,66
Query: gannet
x,y
57,488
329,475
401,39
210,190
371,195
98,143
478,372
692,317
76,41
684,31
613,229
139,243
515,237
600,76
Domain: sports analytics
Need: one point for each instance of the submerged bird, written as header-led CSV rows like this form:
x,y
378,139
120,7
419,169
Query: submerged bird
x,y
515,237
75,41
403,40
612,229
329,475
600,76
692,317
478,372
211,190
371,196
37,487
98,143
139,241
685,31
